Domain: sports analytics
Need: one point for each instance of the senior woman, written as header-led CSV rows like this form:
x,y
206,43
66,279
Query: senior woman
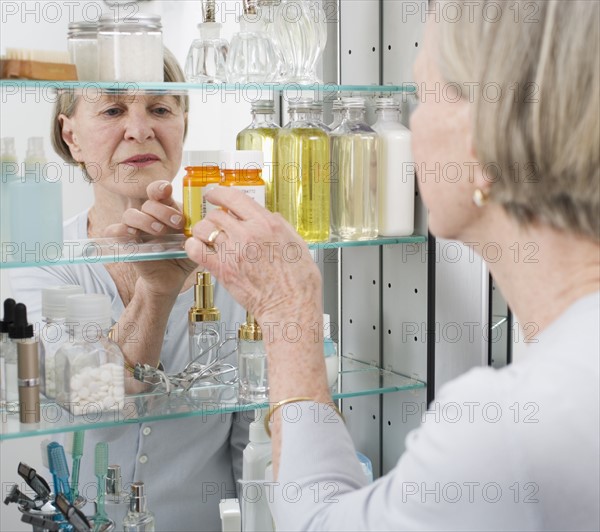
x,y
131,147
522,472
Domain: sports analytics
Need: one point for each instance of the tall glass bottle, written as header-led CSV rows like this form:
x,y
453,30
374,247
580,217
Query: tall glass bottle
x,y
204,321
337,109
7,350
396,171
301,187
54,332
260,135
301,31
354,193
316,115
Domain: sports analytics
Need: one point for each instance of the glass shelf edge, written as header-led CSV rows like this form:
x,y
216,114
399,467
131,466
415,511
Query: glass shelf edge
x,y
9,420
210,88
114,251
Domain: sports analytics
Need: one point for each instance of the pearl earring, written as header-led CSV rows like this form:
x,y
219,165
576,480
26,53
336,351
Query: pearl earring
x,y
480,198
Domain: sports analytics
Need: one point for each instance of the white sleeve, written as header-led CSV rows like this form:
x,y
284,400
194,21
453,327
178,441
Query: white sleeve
x,y
453,475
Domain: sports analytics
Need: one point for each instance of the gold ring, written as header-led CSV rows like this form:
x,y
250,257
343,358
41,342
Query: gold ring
x,y
213,236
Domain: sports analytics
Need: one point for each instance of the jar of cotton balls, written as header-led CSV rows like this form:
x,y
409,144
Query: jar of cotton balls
x,y
89,368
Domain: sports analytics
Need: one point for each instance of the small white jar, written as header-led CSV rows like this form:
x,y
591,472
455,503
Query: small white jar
x,y
83,49
130,49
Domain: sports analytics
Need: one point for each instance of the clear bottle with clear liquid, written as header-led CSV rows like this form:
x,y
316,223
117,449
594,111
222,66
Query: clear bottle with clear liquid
x,y
354,190
302,181
252,363
204,320
260,135
7,350
396,171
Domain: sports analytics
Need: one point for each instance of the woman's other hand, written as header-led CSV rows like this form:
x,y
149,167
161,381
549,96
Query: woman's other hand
x,y
259,258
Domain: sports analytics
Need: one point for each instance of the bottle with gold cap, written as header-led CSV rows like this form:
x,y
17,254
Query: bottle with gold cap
x,y
252,363
204,319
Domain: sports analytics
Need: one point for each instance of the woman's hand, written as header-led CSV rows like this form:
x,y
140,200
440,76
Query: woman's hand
x,y
259,258
159,215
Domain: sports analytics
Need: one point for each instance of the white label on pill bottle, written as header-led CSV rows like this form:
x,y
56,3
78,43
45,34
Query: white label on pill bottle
x,y
257,193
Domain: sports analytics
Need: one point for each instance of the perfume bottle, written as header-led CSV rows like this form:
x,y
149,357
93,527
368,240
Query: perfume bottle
x,y
300,26
207,57
138,518
54,332
252,363
354,194
260,135
396,171
204,322
252,54
301,189
116,501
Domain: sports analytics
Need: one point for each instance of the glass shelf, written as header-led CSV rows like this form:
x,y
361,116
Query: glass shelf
x,y
359,377
108,250
207,88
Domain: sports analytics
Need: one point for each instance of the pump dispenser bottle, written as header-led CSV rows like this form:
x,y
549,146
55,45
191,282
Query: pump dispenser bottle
x,y
252,363
204,321
257,456
138,518
5,344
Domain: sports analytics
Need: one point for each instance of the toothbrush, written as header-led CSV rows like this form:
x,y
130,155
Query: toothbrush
x,y
46,462
59,468
101,469
76,453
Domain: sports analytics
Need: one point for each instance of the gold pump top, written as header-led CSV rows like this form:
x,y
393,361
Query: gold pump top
x,y
204,304
250,330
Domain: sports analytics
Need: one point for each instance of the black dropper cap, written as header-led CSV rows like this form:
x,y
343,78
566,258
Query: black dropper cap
x,y
9,315
20,328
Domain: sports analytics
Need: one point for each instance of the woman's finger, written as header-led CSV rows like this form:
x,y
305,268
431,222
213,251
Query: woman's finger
x,y
161,191
169,216
119,230
144,222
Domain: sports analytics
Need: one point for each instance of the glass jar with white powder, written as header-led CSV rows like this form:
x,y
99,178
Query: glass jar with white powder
x,y
130,49
83,49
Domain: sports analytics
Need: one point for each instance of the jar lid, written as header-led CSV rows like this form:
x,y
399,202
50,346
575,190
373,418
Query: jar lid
x,y
201,158
89,308
353,102
54,300
82,27
242,159
140,21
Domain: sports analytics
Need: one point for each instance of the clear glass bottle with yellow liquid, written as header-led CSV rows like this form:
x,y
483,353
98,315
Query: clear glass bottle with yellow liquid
x,y
302,179
260,135
202,169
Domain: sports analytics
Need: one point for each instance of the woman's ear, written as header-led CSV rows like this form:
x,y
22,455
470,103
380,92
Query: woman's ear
x,y
69,137
476,174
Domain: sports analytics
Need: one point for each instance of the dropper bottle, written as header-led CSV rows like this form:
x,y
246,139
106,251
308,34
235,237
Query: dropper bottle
x,y
204,321
5,344
252,363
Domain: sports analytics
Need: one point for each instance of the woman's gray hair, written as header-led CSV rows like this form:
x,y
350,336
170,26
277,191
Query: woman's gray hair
x,y
531,68
66,104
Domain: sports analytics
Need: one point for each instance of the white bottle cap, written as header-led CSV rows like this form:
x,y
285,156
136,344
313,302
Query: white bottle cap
x,y
89,308
7,147
242,159
257,432
54,300
201,158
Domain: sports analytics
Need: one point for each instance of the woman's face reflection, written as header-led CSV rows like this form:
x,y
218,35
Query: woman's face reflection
x,y
127,142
